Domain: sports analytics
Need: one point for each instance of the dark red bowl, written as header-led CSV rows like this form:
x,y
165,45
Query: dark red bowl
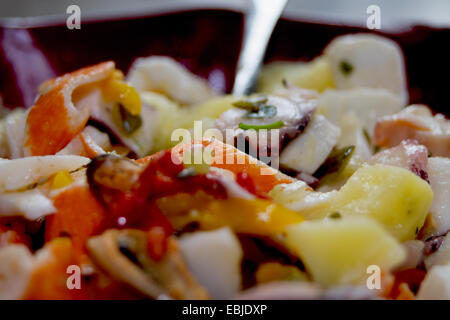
x,y
207,42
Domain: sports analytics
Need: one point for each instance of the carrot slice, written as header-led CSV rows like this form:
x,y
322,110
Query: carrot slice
x,y
228,157
49,278
78,215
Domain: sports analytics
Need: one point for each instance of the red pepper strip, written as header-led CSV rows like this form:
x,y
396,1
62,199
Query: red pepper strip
x,y
413,277
159,179
246,182
157,242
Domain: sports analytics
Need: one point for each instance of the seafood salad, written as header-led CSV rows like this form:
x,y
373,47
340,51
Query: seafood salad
x,y
149,184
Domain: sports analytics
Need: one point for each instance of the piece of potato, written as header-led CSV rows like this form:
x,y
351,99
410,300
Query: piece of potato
x,y
211,109
394,196
168,112
275,271
313,75
175,117
339,251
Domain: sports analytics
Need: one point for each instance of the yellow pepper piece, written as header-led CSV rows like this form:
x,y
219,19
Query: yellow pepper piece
x,y
115,89
259,217
189,161
117,75
61,179
275,271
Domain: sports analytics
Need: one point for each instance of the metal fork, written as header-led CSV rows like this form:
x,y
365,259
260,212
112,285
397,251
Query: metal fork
x,y
260,20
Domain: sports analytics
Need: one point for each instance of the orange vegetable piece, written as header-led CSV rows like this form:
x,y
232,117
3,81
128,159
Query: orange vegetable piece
x,y
228,157
406,283
53,121
49,278
405,292
78,215
13,230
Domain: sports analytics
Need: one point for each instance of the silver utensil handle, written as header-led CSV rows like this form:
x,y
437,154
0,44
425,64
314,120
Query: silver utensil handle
x,y
260,21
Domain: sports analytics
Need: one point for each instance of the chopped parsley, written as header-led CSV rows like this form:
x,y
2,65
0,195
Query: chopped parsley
x,y
346,67
129,122
335,215
274,125
251,103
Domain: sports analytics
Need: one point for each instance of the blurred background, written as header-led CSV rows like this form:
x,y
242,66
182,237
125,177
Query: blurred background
x,y
393,12
207,42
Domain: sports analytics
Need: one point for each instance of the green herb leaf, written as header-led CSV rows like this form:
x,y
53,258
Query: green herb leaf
x,y
346,67
251,103
335,215
336,161
266,111
274,125
130,123
374,148
367,136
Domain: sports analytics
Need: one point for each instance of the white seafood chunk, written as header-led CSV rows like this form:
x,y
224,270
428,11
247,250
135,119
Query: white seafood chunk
x,y
31,204
15,271
367,104
90,138
436,285
289,111
140,141
292,108
418,123
408,155
309,150
441,256
439,176
12,133
19,173
164,74
352,134
214,257
367,60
